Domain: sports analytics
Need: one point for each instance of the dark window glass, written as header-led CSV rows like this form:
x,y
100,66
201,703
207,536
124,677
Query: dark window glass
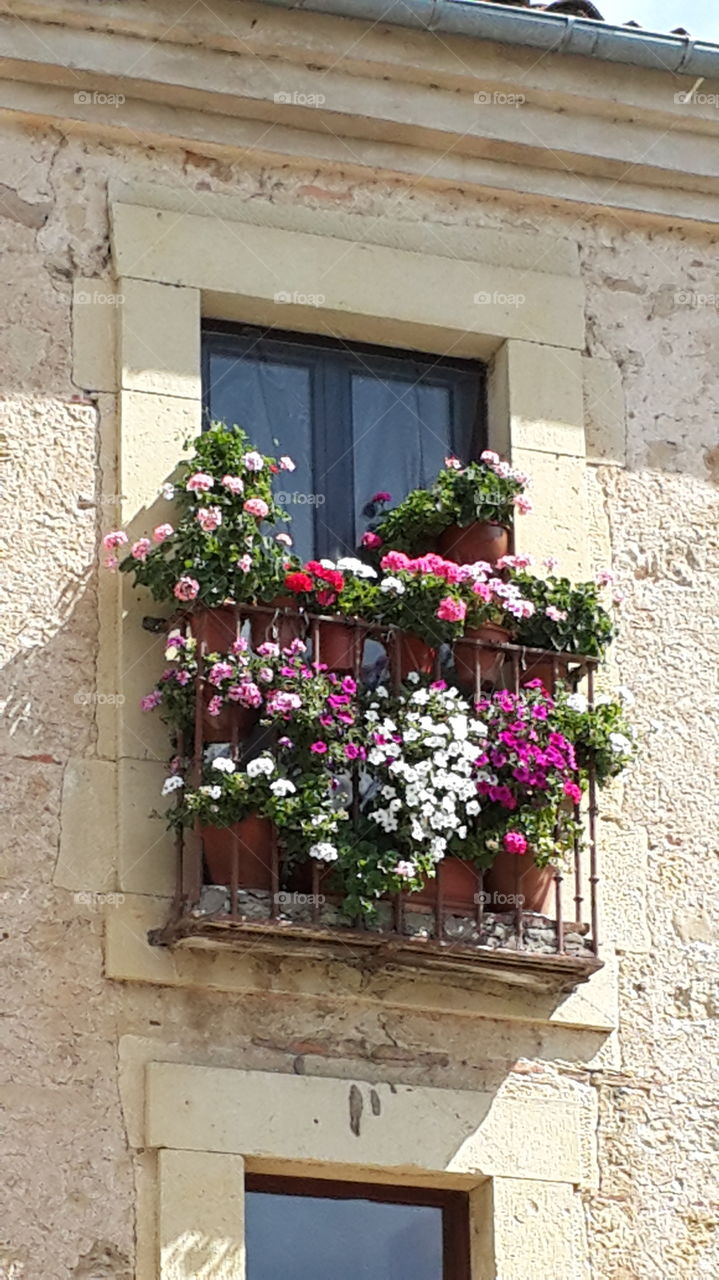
x,y
354,419
351,1233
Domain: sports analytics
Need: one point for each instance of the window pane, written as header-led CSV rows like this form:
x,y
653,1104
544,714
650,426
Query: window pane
x,y
318,1238
402,431
271,399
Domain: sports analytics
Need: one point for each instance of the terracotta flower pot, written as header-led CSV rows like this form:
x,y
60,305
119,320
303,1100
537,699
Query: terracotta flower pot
x,y
461,882
488,661
249,844
220,728
336,645
216,627
412,653
480,541
282,626
513,874
544,669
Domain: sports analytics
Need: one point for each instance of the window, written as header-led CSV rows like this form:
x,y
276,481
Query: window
x,y
355,419
311,1229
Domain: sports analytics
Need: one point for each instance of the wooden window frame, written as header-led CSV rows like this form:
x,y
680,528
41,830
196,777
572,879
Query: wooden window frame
x,y
331,362
456,1261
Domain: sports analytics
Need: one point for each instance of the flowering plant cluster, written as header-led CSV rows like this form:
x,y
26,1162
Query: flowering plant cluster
x,y
489,490
346,587
567,617
602,734
303,809
215,550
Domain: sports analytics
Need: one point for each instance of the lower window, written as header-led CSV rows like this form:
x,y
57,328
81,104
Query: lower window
x,y
312,1229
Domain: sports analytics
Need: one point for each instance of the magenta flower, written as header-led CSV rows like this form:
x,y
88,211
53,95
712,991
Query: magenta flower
x,y
514,842
151,700
186,589
219,672
371,540
319,748
162,533
214,706
382,496
182,677
573,791
352,752
394,561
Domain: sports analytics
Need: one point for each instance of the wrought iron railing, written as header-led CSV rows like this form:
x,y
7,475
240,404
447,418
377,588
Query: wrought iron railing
x,y
434,920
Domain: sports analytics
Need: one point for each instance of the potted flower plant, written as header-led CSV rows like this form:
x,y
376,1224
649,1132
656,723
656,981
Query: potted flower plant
x,y
216,549
568,618
493,610
468,512
343,594
419,597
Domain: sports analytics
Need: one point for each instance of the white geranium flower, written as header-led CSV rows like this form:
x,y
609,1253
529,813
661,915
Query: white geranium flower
x,y
413,678
577,702
173,783
282,787
619,743
224,765
323,851
393,586
213,792
262,765
168,492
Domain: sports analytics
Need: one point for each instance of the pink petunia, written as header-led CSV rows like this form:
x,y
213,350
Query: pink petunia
x,y
214,706
256,507
200,482
162,533
186,589
318,748
151,700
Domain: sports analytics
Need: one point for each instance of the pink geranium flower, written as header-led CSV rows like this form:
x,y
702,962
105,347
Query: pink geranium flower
x,y
284,539
453,463
557,615
162,532
233,483
113,540
490,457
523,504
200,482
209,519
257,507
140,549
286,464
405,870
253,460
382,496
605,578
244,564
450,610
186,589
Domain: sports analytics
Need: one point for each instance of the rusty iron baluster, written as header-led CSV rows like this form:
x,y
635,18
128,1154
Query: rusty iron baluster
x,y
315,640
518,905
477,667
180,842
234,878
439,902
479,904
515,672
274,873
399,913
195,869
578,900
393,655
558,878
593,877
315,891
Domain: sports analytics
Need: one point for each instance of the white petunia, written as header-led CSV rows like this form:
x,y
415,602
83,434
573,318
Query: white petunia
x,y
213,792
577,702
619,743
173,783
324,852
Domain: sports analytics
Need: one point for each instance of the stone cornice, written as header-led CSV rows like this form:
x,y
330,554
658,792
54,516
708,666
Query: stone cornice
x,y
300,86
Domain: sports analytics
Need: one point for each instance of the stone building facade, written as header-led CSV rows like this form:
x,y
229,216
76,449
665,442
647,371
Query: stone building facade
x,y
552,214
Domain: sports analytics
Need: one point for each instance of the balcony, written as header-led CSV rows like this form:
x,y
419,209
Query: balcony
x,y
462,921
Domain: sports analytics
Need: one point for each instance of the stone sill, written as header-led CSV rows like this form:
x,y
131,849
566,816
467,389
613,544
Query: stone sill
x,y
377,954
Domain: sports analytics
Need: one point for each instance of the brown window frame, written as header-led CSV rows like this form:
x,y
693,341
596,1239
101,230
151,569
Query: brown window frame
x,y
454,1205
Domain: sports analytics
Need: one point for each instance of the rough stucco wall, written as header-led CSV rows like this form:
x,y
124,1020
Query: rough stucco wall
x,y
68,1176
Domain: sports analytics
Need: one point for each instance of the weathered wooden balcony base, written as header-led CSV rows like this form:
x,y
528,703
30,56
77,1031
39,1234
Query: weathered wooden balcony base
x,y
484,950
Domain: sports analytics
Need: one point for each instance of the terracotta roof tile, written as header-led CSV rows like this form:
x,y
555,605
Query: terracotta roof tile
x,y
578,8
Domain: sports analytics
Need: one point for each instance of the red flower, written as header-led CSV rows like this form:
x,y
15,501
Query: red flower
x,y
332,576
274,469
298,582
